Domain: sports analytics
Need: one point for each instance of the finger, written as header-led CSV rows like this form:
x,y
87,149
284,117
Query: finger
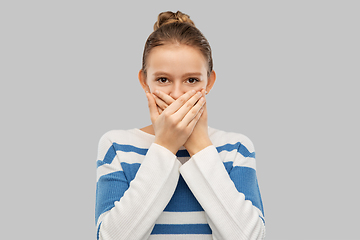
x,y
152,107
203,91
196,119
194,101
160,103
160,110
175,106
204,115
165,97
193,112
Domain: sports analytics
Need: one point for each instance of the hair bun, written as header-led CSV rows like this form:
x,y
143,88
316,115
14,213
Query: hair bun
x,y
170,17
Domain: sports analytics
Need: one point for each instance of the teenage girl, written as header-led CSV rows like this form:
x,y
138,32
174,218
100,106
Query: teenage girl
x,y
177,178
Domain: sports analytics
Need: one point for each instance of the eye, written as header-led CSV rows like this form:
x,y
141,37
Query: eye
x,y
162,80
193,80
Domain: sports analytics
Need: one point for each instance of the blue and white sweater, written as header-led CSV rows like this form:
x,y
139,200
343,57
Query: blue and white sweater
x,y
144,191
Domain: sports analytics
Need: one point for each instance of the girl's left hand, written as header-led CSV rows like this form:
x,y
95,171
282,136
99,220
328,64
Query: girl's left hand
x,y
199,138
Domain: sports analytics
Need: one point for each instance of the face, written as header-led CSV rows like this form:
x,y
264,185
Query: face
x,y
175,69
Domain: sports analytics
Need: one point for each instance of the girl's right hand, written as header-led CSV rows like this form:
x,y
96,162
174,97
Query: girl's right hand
x,y
175,124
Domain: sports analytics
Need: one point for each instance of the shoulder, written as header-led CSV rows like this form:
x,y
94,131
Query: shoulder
x,y
114,136
221,138
122,140
134,137
107,141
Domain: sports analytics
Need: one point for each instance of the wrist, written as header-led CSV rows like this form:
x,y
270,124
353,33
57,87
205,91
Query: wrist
x,y
194,148
170,148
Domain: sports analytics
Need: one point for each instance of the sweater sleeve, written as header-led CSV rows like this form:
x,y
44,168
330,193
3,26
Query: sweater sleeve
x,y
229,194
129,211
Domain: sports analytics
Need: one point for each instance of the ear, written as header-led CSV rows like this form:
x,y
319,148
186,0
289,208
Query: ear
x,y
142,80
211,81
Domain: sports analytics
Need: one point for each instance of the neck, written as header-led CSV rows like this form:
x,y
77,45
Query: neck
x,y
148,129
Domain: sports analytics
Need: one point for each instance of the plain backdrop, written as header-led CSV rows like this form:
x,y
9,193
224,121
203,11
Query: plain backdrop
x,y
287,77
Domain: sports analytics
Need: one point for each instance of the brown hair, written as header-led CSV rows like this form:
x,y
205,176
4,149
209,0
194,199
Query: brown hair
x,y
177,28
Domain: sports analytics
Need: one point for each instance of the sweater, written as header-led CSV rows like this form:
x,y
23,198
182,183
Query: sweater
x,y
144,191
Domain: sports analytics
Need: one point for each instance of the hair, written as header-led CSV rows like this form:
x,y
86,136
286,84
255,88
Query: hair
x,y
177,28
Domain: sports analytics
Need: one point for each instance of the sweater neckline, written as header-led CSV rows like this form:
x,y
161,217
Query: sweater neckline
x,y
152,137
144,134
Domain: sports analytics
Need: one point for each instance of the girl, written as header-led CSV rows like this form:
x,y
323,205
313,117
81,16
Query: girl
x,y
177,178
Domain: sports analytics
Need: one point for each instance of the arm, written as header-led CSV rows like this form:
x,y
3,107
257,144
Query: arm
x,y
129,211
229,196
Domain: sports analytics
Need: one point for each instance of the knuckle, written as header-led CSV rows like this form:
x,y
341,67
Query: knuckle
x,y
180,127
172,121
167,114
182,100
193,111
188,104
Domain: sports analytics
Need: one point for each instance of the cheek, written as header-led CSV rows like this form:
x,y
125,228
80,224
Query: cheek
x,y
163,89
153,87
200,86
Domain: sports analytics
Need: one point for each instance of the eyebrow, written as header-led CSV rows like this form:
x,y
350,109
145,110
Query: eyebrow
x,y
185,75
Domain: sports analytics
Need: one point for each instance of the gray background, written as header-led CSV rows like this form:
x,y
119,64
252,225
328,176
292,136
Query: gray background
x,y
287,78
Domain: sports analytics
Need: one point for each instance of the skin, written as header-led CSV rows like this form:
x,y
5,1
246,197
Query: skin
x,y
175,86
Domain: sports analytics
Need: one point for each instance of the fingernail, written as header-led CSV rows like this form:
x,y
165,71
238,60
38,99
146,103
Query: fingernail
x,y
193,91
157,91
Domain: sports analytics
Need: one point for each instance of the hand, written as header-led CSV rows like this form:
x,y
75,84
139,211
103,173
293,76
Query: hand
x,y
162,100
174,124
199,138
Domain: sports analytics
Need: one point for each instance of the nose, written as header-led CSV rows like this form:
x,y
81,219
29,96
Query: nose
x,y
176,92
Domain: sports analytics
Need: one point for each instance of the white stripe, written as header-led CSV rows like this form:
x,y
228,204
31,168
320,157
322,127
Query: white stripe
x,y
134,137
129,157
180,237
108,168
259,212
240,160
101,217
220,138
104,170
182,218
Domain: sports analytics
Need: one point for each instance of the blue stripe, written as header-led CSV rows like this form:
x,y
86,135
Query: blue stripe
x,y
111,153
228,166
183,200
245,181
130,170
109,189
181,229
239,147
262,219
99,163
98,232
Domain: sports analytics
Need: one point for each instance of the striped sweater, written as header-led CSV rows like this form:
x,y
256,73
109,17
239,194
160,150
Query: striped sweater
x,y
144,191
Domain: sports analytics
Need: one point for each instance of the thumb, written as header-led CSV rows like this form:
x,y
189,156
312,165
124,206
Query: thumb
x,y
154,114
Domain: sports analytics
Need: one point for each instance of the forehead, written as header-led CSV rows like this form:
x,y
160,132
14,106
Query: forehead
x,y
176,58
